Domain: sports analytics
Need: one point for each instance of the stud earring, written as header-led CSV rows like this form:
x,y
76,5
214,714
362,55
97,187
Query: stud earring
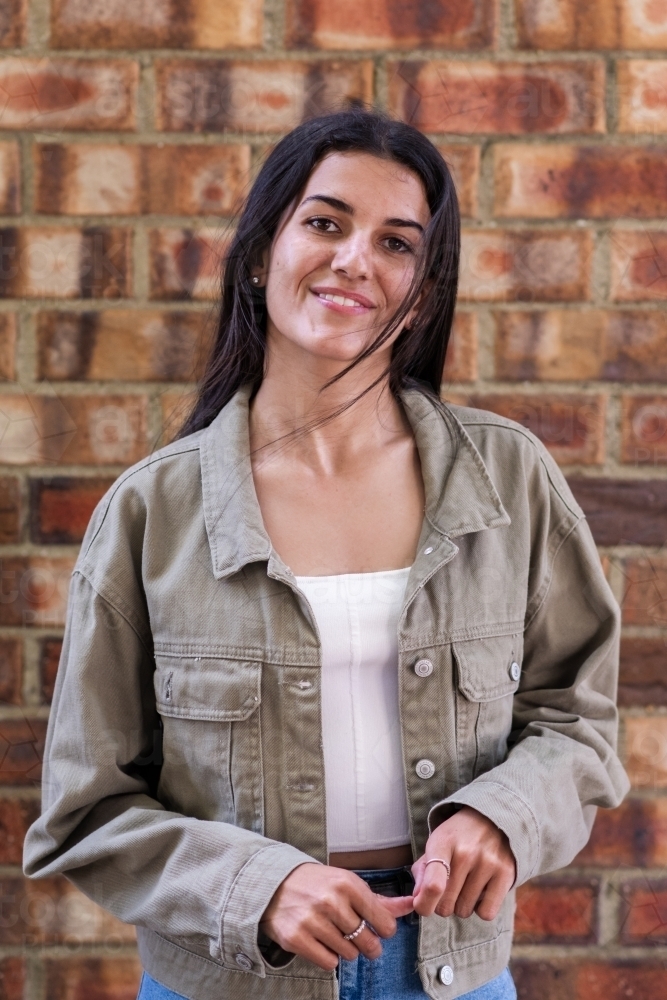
x,y
255,280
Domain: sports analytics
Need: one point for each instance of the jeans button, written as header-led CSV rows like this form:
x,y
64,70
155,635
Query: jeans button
x,y
446,975
425,768
515,671
243,962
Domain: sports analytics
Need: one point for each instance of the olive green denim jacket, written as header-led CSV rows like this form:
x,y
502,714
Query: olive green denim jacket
x,y
183,769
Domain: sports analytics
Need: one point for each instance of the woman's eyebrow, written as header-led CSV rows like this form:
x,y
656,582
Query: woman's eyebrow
x,y
343,206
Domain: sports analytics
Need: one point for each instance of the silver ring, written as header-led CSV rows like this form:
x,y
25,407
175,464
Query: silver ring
x,y
441,862
354,934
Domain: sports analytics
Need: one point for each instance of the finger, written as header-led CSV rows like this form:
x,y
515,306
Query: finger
x,y
418,869
398,906
492,896
332,937
473,887
433,885
455,883
368,943
314,951
369,907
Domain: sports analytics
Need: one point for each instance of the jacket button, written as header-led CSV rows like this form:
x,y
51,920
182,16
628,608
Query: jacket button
x,y
423,668
515,671
446,975
425,768
243,962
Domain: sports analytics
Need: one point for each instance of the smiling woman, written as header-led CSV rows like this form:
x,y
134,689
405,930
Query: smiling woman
x,y
293,739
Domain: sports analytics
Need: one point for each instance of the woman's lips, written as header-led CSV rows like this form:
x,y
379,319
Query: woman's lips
x,y
341,303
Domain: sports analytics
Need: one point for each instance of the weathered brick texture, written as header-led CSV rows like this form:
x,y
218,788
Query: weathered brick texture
x,y
129,134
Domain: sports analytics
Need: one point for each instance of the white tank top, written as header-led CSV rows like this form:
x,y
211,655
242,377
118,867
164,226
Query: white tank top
x,y
357,617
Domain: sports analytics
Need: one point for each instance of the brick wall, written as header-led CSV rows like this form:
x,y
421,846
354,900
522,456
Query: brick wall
x,y
127,133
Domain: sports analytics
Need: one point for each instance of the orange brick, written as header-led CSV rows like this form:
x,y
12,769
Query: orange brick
x,y
115,978
175,407
133,345
7,345
589,979
12,978
561,345
634,835
646,751
380,24
61,507
10,510
526,265
12,23
49,659
92,430
561,911
645,596
643,678
87,179
10,179
595,182
644,430
512,98
21,753
34,591
463,163
200,24
644,912
642,94
592,24
68,93
16,815
213,95
638,265
461,363
11,675
571,426
186,263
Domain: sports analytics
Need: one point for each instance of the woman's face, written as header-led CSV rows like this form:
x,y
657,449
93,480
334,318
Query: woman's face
x,y
343,260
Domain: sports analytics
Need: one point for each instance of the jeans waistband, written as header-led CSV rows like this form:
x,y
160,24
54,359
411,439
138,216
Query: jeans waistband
x,y
389,881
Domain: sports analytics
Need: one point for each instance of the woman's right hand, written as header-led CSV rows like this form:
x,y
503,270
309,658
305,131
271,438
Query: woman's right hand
x,y
316,905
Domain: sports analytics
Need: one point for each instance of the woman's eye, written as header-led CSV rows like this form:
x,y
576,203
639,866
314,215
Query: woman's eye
x,y
323,225
397,245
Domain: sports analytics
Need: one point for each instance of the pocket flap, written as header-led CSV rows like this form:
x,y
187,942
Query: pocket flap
x,y
489,668
207,688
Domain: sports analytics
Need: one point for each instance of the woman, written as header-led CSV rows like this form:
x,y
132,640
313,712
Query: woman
x,y
340,663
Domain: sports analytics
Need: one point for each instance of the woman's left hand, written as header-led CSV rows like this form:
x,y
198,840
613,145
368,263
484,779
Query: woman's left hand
x,y
482,865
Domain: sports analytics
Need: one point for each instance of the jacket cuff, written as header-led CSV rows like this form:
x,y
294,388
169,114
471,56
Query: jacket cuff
x,y
507,810
249,896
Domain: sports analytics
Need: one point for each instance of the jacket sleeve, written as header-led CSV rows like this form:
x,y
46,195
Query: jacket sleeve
x,y
562,760
201,882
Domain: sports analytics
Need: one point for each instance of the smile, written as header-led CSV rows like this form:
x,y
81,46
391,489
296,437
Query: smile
x,y
340,300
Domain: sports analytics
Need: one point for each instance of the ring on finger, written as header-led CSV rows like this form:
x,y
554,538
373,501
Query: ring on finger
x,y
441,862
355,933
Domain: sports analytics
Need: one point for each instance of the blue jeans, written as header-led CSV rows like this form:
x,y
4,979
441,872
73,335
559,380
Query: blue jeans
x,y
393,976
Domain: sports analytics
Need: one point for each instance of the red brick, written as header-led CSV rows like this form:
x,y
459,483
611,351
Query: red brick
x,y
60,508
213,95
642,94
571,426
87,179
43,93
200,24
562,912
464,163
34,590
12,978
646,751
492,97
10,172
638,265
644,912
559,345
643,675
623,511
461,363
572,182
13,15
645,597
53,911
49,658
186,263
644,430
7,345
16,815
114,978
65,262
634,835
92,430
10,510
11,657
526,265
589,979
591,24
132,345
383,24
21,753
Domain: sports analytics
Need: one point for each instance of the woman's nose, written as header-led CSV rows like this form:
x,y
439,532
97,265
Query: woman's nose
x,y
352,258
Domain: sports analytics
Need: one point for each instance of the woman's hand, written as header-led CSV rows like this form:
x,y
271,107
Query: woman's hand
x,y
482,865
316,905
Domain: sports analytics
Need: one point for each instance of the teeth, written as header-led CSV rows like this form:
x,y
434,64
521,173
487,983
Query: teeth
x,y
341,300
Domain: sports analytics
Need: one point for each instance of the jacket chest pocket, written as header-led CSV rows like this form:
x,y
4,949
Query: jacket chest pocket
x,y
212,765
488,674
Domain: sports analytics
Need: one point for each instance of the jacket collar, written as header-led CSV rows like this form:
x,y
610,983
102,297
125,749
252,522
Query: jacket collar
x,y
460,496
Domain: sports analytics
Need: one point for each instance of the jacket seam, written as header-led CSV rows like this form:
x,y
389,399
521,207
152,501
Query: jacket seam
x,y
548,581
230,891
109,603
468,947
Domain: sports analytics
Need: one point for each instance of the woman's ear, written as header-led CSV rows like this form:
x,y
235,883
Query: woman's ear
x,y
259,272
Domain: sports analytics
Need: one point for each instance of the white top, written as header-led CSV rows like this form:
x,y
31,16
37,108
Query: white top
x,y
357,617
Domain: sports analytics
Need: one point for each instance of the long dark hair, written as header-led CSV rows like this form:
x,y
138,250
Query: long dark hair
x,y
418,354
